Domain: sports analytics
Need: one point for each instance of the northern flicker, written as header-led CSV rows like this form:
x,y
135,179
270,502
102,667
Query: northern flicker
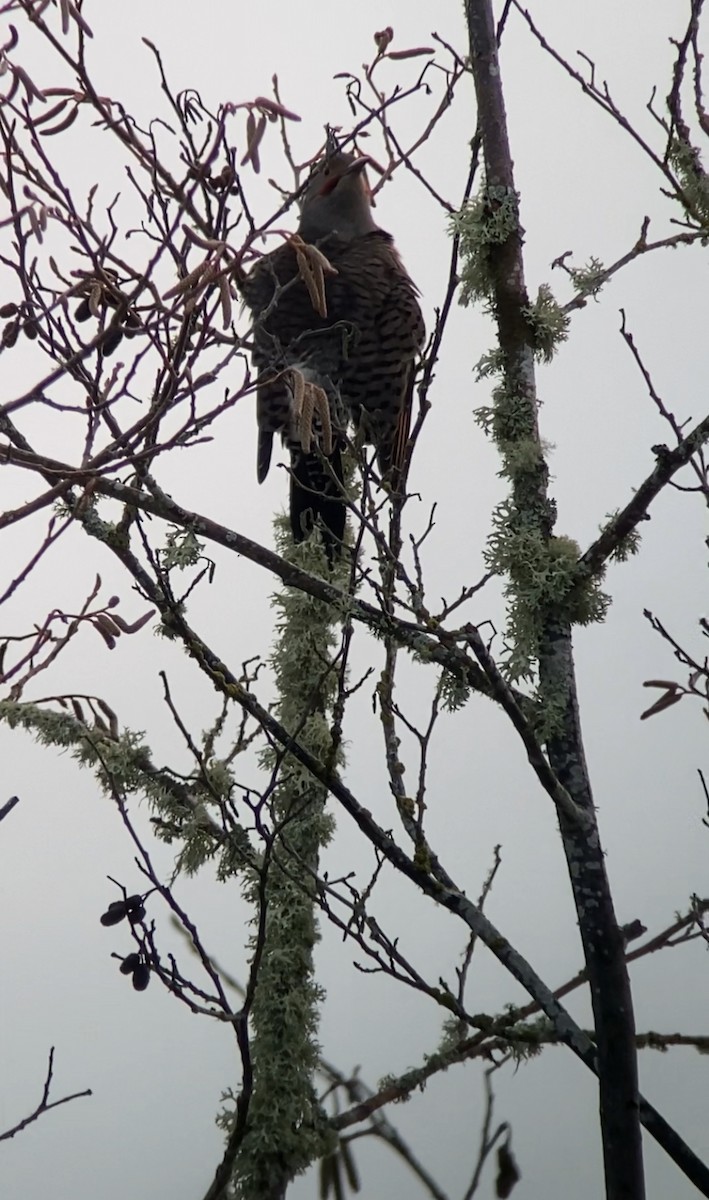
x,y
359,345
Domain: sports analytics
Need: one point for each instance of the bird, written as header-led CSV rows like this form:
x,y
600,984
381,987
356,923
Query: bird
x,y
336,321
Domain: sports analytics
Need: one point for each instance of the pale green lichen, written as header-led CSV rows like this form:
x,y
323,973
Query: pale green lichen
x,y
510,418
548,323
288,1127
455,692
490,364
542,575
484,222
123,765
627,547
527,1040
542,572
182,549
589,279
686,161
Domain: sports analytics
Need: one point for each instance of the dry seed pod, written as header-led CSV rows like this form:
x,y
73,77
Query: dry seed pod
x,y
322,408
415,53
114,914
83,312
254,140
10,96
187,282
305,420
225,178
95,297
8,310
107,637
10,334
35,223
508,1173
250,133
109,713
65,123
660,705
132,626
274,110
131,325
141,977
311,272
83,25
129,964
112,341
383,38
318,257
107,624
203,242
225,301
33,92
52,112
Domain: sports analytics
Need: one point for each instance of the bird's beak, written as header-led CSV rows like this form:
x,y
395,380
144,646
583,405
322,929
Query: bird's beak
x,y
356,167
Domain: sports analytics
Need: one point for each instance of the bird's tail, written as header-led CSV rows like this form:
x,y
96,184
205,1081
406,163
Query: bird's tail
x,y
317,497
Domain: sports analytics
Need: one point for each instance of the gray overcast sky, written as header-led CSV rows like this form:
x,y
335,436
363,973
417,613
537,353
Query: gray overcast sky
x,y
157,1072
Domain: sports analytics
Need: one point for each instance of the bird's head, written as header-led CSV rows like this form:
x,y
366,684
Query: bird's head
x,y
337,198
